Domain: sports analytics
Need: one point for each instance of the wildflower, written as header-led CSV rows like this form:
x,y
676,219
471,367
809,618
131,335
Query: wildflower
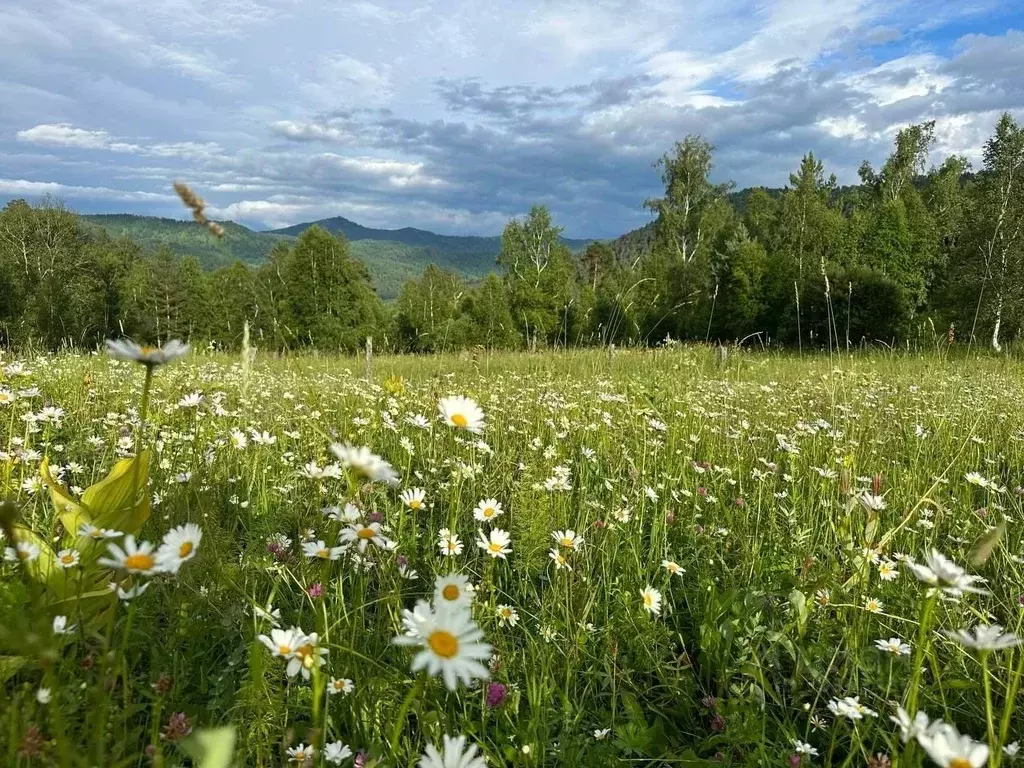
x,y
568,539
822,597
600,734
487,509
461,413
179,546
893,645
450,640
976,478
151,357
871,502
68,558
498,544
803,748
986,637
454,589
910,729
134,558
454,755
947,747
496,694
192,400
872,605
239,440
366,463
363,535
308,654
1011,749
43,695
941,572
850,708
23,551
413,498
61,627
320,550
887,570
177,727
316,589
340,685
560,560
674,568
283,642
449,543
336,752
507,615
301,754
651,599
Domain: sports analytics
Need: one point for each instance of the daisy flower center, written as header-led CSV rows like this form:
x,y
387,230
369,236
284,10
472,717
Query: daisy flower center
x,y
23,554
186,549
415,504
67,559
648,599
488,511
366,533
494,546
443,643
566,541
304,651
139,561
450,592
324,553
960,762
459,420
284,650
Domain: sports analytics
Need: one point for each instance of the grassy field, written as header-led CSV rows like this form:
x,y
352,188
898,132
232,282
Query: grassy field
x,y
705,561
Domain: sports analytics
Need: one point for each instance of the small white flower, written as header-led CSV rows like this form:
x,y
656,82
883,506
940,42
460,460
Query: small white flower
x,y
651,600
986,637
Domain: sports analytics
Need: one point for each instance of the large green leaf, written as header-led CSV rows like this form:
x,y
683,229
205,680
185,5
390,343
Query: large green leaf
x,y
112,501
71,513
211,747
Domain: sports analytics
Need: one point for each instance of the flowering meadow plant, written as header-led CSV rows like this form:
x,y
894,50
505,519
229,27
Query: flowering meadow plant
x,y
532,560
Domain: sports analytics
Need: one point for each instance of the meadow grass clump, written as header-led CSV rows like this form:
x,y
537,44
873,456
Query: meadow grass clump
x,y
552,559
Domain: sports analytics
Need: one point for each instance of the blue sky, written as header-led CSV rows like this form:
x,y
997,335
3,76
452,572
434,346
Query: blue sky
x,y
455,115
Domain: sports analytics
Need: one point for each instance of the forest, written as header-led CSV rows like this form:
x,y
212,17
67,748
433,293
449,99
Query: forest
x,y
922,251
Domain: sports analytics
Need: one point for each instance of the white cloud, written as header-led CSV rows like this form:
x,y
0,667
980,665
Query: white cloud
x,y
19,187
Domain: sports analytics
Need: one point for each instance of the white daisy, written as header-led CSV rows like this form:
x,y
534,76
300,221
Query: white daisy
x,y
68,558
568,539
336,752
497,544
413,498
451,643
363,535
134,558
454,755
366,463
453,588
179,546
461,413
651,600
507,615
125,349
487,509
319,549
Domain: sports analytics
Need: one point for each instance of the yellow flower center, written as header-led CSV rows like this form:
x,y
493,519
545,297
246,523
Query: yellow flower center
x,y
443,643
459,420
139,562
366,533
186,549
23,554
284,650
415,504
488,511
304,651
324,553
67,559
450,592
148,350
566,541
648,599
960,762
494,546
96,534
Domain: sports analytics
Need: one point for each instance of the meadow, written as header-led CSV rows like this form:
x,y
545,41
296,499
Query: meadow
x,y
604,557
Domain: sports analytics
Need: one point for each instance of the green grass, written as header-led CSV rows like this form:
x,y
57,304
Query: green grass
x,y
749,475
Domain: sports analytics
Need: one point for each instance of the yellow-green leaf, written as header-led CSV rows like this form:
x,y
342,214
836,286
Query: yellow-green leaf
x,y
72,513
111,501
211,747
986,544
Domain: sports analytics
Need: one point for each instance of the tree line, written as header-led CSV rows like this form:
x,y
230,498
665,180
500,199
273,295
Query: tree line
x,y
915,252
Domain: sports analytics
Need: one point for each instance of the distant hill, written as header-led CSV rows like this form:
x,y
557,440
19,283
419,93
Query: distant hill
x,y
391,256
185,238
453,244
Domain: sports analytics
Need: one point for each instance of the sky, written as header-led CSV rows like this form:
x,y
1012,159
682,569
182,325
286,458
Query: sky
x,y
456,115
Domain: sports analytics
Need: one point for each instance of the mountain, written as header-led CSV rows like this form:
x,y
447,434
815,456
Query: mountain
x,y
186,238
391,256
454,244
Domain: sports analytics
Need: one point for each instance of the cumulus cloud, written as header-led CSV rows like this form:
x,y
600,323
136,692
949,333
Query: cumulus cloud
x,y
456,115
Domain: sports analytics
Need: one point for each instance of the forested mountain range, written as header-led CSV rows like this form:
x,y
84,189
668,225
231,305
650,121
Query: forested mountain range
x,y
391,256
